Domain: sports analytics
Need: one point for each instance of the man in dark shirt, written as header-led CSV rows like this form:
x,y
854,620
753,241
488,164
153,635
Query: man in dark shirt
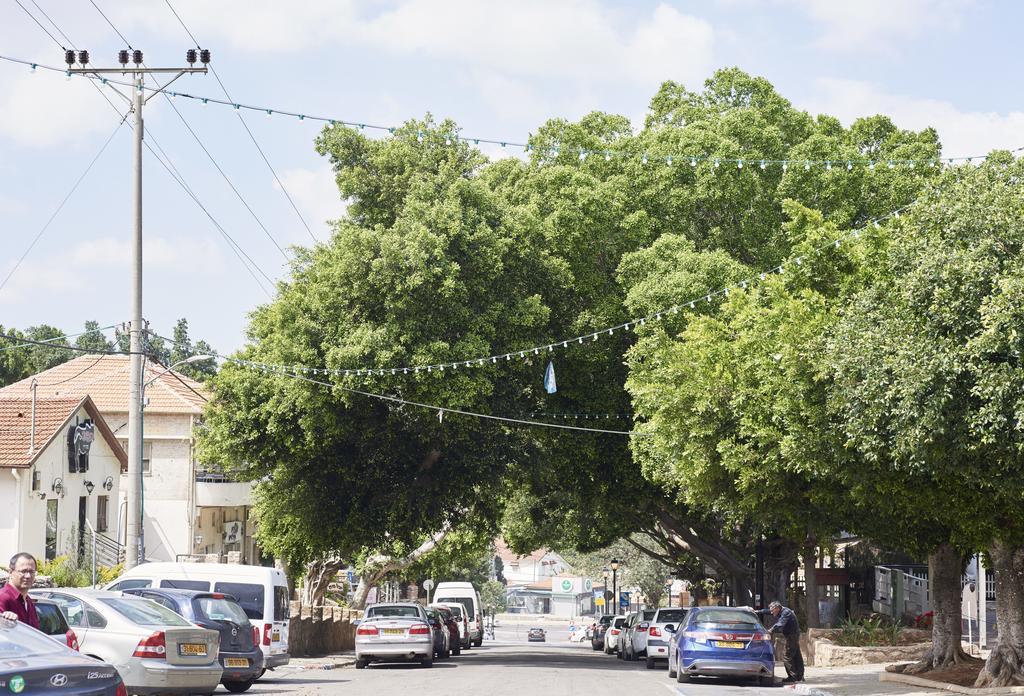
x,y
15,604
786,623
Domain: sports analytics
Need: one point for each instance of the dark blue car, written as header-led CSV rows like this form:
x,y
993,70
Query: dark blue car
x,y
240,653
722,642
33,663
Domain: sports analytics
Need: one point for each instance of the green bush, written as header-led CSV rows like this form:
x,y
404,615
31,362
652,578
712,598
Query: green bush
x,y
65,572
871,630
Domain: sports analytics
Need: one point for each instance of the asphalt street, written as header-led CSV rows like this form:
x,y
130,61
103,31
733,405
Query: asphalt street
x,y
508,666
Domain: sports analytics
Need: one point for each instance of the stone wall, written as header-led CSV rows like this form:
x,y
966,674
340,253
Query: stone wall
x,y
822,652
316,631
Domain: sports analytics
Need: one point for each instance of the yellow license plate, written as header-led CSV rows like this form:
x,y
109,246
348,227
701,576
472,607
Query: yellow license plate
x,y
236,662
192,649
394,631
275,636
728,644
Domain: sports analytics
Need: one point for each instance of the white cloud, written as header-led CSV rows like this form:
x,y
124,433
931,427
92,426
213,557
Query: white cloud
x,y
572,39
963,133
67,272
317,198
44,111
876,24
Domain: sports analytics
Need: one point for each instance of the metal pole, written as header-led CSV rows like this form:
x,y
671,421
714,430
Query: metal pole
x,y
134,551
615,590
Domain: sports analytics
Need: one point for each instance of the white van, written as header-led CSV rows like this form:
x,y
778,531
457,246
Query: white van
x,y
465,594
262,592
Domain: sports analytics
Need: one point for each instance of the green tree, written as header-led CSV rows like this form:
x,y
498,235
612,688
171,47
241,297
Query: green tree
x,y
94,339
13,360
493,594
43,357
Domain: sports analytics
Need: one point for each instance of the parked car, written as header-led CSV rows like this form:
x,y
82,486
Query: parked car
x,y
153,648
448,619
32,662
613,634
658,637
262,592
465,594
599,630
634,638
240,653
459,612
442,634
393,632
722,641
536,635
53,623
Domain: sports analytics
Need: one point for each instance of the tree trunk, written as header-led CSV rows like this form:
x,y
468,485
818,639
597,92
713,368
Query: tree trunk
x,y
810,558
945,565
376,567
317,578
742,593
1005,665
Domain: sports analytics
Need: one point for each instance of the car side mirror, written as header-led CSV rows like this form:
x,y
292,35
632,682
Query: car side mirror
x,y
670,628
357,622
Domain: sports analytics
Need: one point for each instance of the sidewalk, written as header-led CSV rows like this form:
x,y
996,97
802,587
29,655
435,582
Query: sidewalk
x,y
856,680
333,661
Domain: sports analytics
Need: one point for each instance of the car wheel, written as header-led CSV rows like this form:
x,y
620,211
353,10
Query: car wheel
x,y
258,676
361,664
237,687
457,651
427,662
681,676
618,654
766,681
650,663
671,669
478,642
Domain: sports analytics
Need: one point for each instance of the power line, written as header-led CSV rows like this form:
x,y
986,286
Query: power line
x,y
25,342
33,18
49,341
126,42
248,130
59,31
60,207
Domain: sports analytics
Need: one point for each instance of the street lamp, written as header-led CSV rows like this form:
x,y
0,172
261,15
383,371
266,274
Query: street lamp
x,y
615,584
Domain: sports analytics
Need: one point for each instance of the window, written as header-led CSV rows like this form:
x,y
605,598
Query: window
x,y
73,609
147,456
101,513
162,601
51,528
282,609
145,613
130,584
219,610
203,585
397,611
250,596
80,439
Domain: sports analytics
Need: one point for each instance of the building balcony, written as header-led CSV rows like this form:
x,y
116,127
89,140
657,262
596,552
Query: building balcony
x,y
218,490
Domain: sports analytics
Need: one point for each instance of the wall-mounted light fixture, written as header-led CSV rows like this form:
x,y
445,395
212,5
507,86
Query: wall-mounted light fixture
x,y
42,495
58,486
89,486
108,483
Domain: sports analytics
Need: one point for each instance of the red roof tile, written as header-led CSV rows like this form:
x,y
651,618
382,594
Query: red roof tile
x,y
106,379
51,415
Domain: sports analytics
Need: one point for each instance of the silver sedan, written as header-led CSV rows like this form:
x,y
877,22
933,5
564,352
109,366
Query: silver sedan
x,y
393,632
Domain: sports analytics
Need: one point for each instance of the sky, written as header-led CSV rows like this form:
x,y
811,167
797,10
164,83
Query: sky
x,y
498,69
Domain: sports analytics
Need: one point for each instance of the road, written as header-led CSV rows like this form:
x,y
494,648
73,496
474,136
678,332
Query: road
x,y
508,666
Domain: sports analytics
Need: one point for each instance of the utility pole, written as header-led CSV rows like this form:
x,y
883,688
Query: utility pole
x,y
135,551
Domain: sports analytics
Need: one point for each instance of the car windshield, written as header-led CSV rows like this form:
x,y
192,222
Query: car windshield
x,y
393,611
456,609
670,615
219,609
250,597
727,618
19,641
144,612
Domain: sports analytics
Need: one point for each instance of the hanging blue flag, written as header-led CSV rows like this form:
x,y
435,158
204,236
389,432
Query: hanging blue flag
x,y
549,378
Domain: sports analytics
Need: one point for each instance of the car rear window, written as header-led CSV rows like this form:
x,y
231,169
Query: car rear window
x,y
145,613
393,611
670,615
19,641
219,609
456,609
282,608
201,585
727,618
249,595
454,600
648,614
619,620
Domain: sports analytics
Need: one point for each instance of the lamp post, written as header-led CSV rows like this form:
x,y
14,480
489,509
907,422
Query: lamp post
x,y
615,583
137,466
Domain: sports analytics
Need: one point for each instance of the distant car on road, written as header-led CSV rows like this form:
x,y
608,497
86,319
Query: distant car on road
x,y
658,637
613,635
722,642
34,663
599,630
393,632
633,641
536,635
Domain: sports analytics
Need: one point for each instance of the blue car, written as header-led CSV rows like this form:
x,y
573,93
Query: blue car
x,y
721,642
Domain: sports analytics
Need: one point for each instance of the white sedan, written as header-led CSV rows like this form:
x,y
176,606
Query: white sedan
x,y
154,649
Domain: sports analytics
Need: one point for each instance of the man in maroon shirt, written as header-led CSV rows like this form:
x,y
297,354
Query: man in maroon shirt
x,y
15,604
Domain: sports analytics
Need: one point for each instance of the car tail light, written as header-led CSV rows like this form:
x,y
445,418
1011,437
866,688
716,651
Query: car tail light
x,y
267,628
153,646
760,636
365,630
255,635
642,628
654,631
419,630
72,639
122,690
615,631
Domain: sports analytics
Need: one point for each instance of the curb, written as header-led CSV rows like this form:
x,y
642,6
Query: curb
x,y
898,678
340,663
808,690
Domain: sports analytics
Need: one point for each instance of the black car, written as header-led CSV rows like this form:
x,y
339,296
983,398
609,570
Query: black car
x,y
536,635
598,632
53,623
34,663
240,653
